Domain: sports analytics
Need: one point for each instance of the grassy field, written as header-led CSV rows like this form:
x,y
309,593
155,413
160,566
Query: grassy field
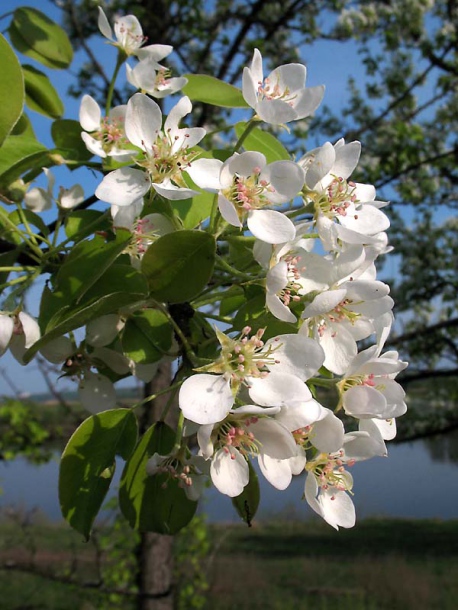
x,y
380,564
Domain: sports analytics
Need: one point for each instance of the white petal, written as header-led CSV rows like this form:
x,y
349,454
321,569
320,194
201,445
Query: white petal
x,y
6,331
296,355
102,331
347,157
286,177
103,24
205,399
205,173
90,115
328,433
275,112
30,329
277,472
271,226
229,472
58,350
143,121
337,508
278,390
96,393
276,441
228,211
300,415
172,192
364,402
37,199
123,186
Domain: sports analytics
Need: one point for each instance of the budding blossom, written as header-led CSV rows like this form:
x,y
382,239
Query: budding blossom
x,y
18,332
39,199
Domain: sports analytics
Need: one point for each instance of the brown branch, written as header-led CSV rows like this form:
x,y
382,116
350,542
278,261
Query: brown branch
x,y
426,330
420,375
357,134
415,166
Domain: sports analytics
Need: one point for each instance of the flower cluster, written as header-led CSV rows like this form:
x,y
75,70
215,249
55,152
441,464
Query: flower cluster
x,y
321,317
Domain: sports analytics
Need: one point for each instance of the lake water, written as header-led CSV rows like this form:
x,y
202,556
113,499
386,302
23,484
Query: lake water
x,y
419,479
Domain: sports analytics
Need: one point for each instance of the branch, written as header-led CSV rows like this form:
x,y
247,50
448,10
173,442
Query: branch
x,y
415,166
426,330
420,375
357,134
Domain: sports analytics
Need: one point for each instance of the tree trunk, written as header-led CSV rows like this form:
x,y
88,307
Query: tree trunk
x,y
155,552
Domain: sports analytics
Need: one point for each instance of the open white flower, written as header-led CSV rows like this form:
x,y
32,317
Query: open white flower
x,y
344,210
282,96
128,36
148,79
248,431
166,154
104,136
274,374
368,389
246,185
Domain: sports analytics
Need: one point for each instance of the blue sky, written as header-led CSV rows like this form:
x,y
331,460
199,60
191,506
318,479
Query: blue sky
x,y
329,63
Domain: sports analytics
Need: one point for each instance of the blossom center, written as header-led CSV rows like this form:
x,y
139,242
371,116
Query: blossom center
x,y
248,193
111,133
333,201
329,471
164,163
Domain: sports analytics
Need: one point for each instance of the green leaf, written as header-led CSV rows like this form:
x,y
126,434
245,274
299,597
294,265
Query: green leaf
x,y
118,287
263,142
88,464
82,223
40,95
193,211
7,259
246,504
153,503
11,89
24,127
20,154
147,335
87,262
31,218
66,135
35,35
178,265
211,90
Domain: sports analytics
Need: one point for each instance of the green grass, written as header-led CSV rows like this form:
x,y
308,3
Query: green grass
x,y
282,565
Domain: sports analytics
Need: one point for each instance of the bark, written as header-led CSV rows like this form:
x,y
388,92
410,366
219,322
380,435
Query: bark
x,y
155,551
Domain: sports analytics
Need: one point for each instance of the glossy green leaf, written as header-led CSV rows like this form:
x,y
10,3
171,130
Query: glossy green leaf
x,y
147,336
7,259
24,127
118,287
153,503
211,90
87,262
263,142
11,89
88,463
66,135
83,223
246,504
40,95
194,211
20,154
178,265
35,35
31,218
